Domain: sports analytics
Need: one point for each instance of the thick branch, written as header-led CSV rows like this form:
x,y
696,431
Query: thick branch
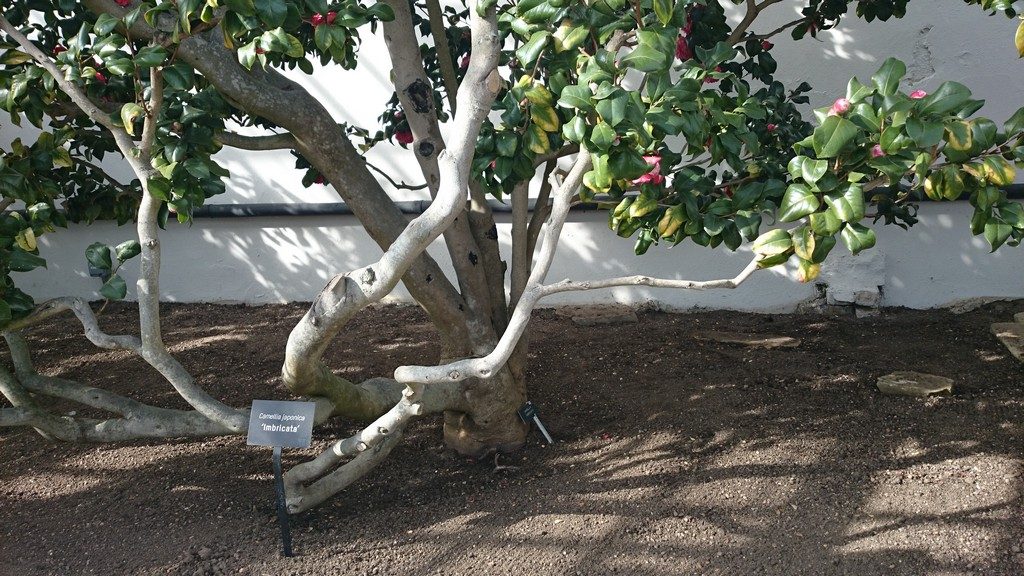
x,y
284,141
310,483
444,52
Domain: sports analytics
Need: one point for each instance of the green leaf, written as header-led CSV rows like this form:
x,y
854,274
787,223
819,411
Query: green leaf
x,y
1015,123
602,136
529,52
887,79
947,98
626,163
576,97
797,202
150,56
849,204
663,10
647,58
129,113
613,110
569,37
98,254
773,243
114,288
812,170
22,261
996,233
271,12
833,134
105,24
855,91
858,237
822,246
127,250
924,134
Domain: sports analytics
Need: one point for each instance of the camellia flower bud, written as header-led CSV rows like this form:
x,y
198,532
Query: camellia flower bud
x,y
404,137
918,94
772,127
766,45
316,20
876,151
841,106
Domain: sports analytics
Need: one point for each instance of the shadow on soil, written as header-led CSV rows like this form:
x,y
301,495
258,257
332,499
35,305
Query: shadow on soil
x,y
674,456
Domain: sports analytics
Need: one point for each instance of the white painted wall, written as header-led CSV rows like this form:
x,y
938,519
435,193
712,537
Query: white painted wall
x,y
286,259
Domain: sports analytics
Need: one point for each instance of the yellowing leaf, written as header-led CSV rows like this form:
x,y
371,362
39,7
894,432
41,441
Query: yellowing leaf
x,y
1019,39
26,240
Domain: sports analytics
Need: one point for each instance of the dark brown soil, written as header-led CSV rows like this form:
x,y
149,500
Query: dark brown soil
x,y
673,456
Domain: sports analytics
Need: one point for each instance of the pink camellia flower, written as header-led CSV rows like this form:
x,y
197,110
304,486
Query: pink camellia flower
x,y
465,62
918,94
683,50
766,45
58,49
771,128
331,17
840,106
876,151
404,137
123,3
654,175
317,19
688,27
100,78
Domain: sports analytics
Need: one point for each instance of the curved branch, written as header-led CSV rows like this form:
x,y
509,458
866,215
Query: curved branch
x,y
397,185
753,11
484,367
310,483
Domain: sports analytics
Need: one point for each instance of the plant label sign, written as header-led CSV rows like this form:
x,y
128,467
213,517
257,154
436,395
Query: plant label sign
x,y
528,413
281,423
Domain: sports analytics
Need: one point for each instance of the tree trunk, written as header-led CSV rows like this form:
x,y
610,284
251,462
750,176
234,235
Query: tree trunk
x,y
492,423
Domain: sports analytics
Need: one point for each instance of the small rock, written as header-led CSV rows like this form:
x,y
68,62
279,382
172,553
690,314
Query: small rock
x,y
751,340
867,312
971,304
205,553
913,384
1011,335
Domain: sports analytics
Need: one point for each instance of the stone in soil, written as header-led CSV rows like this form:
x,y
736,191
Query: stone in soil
x,y
914,384
1011,334
750,340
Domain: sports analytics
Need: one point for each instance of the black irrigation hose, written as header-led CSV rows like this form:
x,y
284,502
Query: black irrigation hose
x,y
264,210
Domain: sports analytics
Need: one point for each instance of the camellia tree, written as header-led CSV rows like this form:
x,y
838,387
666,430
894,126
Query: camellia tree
x,y
663,111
